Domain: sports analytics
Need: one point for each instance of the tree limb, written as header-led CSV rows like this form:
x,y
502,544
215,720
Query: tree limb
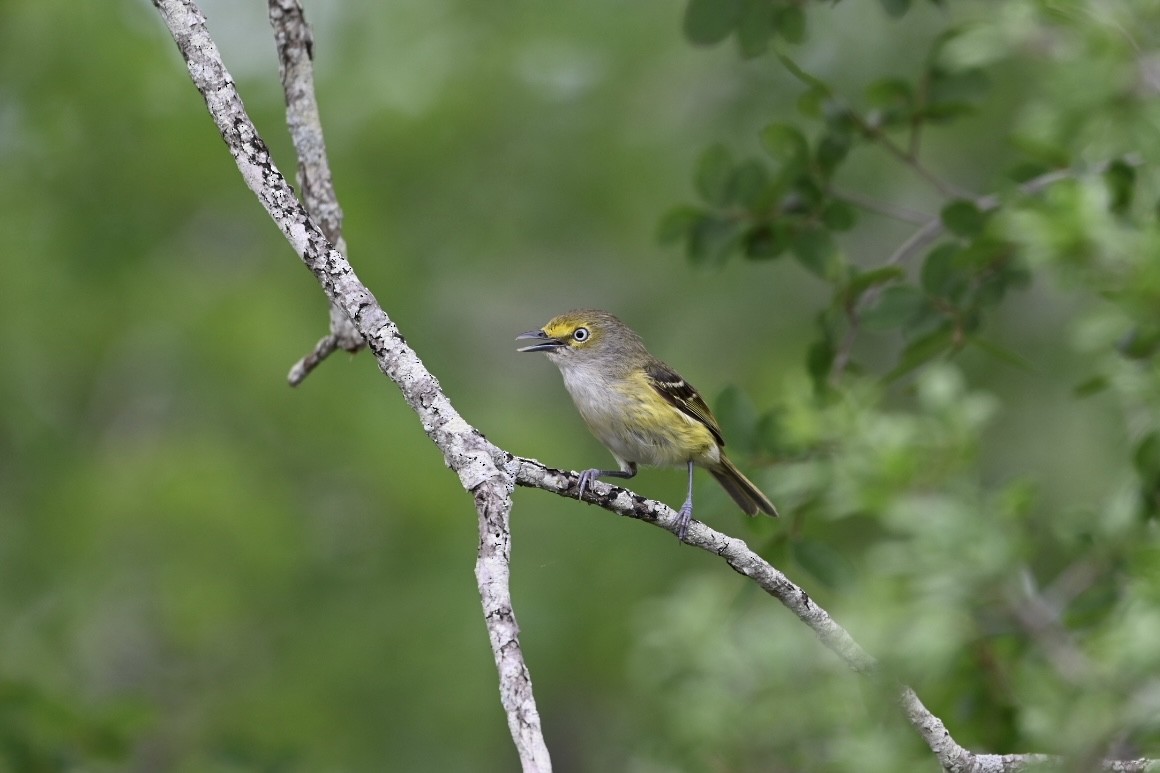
x,y
483,469
295,45
491,473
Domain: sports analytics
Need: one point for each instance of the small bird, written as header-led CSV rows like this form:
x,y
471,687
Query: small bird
x,y
638,407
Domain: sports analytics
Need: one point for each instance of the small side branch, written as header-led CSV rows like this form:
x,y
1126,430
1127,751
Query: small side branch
x,y
295,45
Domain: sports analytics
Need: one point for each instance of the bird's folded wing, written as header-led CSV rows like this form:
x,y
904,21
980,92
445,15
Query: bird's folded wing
x,y
681,394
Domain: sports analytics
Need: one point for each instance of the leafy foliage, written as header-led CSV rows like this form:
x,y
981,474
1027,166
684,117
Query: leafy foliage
x,y
1002,611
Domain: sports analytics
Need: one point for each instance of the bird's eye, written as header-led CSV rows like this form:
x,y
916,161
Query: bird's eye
x,y
580,335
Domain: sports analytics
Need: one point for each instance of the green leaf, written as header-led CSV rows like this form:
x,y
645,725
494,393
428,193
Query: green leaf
x,y
815,249
711,239
828,566
802,75
985,253
785,144
789,21
1023,171
920,351
839,216
765,241
1048,154
839,118
771,434
831,151
749,184
890,94
1139,343
934,54
811,102
819,361
944,112
942,274
738,417
1091,386
895,8
676,224
860,283
962,218
708,22
955,91
1002,353
1121,181
896,306
755,27
989,291
714,171
1147,455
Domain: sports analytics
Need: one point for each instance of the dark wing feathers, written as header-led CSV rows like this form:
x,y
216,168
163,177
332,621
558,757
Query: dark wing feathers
x,y
682,396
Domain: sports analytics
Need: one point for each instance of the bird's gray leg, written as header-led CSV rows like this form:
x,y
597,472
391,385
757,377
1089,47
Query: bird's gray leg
x,y
587,476
685,514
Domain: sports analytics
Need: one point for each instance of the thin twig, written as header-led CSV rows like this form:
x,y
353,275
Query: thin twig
x,y
1036,615
325,347
948,189
295,45
905,214
875,133
483,469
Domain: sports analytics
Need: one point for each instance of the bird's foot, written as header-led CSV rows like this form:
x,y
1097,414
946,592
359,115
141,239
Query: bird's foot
x,y
684,515
586,479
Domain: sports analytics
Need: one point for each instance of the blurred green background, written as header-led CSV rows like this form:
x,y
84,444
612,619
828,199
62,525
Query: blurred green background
x,y
202,569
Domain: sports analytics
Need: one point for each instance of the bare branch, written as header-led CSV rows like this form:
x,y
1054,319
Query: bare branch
x,y
295,64
483,469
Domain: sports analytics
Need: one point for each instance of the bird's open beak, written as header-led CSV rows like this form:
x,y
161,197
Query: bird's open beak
x,y
546,344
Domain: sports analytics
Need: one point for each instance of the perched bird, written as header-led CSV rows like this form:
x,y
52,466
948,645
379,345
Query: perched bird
x,y
638,407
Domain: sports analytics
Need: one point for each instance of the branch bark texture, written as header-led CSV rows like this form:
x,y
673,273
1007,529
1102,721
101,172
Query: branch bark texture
x,y
487,471
295,44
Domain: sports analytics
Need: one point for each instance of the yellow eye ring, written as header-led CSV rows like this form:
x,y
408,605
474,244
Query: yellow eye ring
x,y
580,335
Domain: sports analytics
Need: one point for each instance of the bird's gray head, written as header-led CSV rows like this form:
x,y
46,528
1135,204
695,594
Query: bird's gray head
x,y
584,336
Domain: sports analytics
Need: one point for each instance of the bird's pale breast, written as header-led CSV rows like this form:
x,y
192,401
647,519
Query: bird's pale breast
x,y
636,424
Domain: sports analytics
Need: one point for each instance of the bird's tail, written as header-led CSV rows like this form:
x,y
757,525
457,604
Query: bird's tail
x,y
744,493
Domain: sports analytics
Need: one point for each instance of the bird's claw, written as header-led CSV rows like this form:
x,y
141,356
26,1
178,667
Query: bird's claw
x,y
586,478
684,515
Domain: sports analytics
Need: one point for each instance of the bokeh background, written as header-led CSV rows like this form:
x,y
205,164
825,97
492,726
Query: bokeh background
x,y
202,569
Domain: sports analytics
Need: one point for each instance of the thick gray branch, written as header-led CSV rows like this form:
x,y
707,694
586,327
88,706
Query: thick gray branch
x,y
482,468
295,45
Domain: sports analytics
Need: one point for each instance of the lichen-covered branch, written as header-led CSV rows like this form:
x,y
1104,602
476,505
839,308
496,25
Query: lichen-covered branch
x,y
482,468
295,45
489,472
742,560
